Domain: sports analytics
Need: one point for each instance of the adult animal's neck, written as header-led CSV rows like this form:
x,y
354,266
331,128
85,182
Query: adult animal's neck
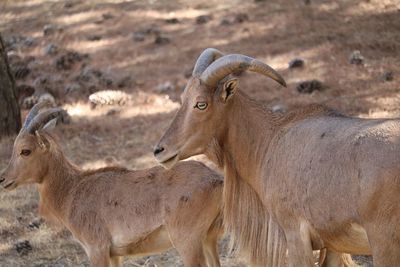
x,y
242,144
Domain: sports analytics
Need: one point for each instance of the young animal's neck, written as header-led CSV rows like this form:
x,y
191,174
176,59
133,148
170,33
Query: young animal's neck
x,y
243,143
62,176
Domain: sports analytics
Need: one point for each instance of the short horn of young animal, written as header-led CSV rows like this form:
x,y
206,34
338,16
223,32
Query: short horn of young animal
x,y
34,111
228,64
207,57
42,118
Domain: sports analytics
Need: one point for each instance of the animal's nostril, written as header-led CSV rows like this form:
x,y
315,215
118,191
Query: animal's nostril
x,y
158,150
2,179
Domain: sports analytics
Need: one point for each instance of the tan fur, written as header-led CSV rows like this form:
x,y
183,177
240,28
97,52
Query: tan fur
x,y
326,180
252,230
114,212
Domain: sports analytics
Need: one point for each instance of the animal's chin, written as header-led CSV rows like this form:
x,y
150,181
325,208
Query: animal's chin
x,y
10,185
170,162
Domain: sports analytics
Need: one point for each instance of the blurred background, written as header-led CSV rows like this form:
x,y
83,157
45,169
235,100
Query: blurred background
x,y
118,69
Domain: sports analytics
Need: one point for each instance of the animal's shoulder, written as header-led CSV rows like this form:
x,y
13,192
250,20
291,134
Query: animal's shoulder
x,y
106,170
305,112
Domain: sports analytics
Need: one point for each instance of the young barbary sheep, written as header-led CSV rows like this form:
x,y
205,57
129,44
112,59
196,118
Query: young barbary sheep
x,y
308,179
113,211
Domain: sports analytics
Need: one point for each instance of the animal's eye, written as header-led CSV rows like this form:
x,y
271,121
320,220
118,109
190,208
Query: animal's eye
x,y
25,152
201,105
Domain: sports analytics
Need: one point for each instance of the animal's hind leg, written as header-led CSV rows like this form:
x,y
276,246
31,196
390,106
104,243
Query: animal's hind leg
x,y
210,247
189,246
385,244
192,254
334,259
99,257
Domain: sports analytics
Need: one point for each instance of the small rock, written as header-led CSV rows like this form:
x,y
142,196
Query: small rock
x,y
138,36
203,19
152,29
51,49
107,16
68,4
23,247
89,74
13,57
356,58
29,102
15,41
109,97
47,97
24,91
296,63
67,60
388,76
29,41
241,17
161,40
94,37
226,22
39,81
111,112
172,21
49,29
165,87
125,81
106,81
307,87
21,72
279,108
35,224
72,88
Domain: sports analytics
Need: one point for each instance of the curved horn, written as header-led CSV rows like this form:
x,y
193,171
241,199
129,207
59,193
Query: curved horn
x,y
205,59
34,111
228,64
42,118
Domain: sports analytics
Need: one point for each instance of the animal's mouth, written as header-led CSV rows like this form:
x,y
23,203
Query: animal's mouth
x,y
7,185
170,161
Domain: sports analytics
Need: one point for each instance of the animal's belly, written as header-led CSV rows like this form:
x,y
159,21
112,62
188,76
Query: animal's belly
x,y
353,239
154,242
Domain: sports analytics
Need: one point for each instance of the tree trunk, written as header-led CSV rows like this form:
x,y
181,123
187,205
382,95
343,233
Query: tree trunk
x,y
10,116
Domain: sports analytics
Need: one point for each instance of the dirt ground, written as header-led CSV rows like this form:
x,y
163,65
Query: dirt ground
x,y
71,49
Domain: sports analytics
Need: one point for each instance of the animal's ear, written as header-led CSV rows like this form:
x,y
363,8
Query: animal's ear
x,y
228,89
42,141
48,127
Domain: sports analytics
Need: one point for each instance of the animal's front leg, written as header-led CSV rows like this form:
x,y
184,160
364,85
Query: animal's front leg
x,y
300,253
116,261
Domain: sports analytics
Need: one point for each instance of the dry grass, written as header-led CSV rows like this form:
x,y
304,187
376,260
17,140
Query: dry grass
x,y
323,34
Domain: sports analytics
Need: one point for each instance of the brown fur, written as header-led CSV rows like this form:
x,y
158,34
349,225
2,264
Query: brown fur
x,y
114,212
326,180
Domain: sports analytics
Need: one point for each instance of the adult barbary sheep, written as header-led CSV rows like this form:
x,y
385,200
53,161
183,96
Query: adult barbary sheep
x,y
113,211
308,179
